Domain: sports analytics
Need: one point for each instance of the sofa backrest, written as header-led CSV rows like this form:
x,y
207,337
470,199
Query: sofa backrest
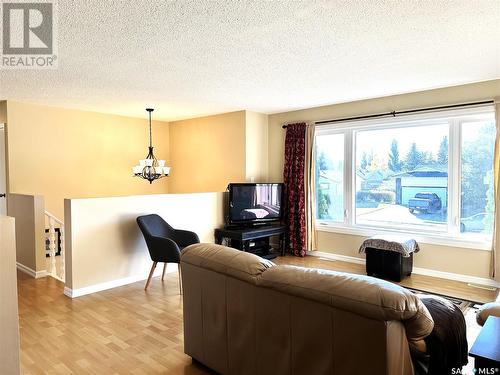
x,y
363,295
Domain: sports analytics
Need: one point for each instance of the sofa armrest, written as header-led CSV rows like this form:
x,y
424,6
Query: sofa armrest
x,y
491,308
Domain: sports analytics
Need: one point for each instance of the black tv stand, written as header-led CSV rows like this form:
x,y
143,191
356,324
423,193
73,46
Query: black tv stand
x,y
254,239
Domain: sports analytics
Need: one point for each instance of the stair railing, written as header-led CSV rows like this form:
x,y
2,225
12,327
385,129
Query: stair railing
x,y
53,269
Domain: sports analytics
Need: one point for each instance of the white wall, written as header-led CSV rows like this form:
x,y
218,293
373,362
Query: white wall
x,y
104,247
9,321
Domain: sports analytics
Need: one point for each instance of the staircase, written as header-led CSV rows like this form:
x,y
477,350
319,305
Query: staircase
x,y
55,266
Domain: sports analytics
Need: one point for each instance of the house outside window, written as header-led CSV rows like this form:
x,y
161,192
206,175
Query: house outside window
x,y
429,174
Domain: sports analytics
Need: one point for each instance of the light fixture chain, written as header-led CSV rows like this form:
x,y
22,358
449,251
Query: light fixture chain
x,y
150,132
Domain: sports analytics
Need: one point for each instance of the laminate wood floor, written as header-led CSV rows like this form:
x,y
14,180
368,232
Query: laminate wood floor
x,y
127,330
119,331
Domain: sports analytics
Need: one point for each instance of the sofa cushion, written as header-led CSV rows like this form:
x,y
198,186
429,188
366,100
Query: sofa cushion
x,y
363,295
226,260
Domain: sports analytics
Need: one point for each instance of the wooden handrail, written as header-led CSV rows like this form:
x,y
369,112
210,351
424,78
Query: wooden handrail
x,y
59,221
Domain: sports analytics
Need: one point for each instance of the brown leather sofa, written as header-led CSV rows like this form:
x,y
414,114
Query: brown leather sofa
x,y
490,308
246,315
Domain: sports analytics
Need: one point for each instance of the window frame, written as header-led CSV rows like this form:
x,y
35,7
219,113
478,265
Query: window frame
x,y
454,120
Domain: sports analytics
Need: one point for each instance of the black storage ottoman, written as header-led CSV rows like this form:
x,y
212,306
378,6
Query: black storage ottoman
x,y
387,264
389,257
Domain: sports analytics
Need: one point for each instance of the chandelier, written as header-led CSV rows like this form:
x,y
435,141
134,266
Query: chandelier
x,y
150,168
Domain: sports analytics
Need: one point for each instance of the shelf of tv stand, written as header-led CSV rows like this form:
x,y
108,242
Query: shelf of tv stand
x,y
241,238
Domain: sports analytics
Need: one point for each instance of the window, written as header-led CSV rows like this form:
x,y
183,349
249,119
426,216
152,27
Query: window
x,y
476,196
402,176
330,177
429,174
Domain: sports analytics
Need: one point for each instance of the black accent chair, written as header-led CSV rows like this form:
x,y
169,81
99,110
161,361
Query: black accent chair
x,y
164,243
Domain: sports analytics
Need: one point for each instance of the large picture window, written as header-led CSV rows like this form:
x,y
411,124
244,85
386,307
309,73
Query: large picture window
x,y
429,174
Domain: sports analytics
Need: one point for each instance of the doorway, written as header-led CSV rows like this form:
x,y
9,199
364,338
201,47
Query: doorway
x,y
3,174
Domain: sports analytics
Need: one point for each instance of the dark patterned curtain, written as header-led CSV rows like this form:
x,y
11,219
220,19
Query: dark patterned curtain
x,y
294,194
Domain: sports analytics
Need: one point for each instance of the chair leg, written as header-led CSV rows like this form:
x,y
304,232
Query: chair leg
x,y
150,275
164,268
180,278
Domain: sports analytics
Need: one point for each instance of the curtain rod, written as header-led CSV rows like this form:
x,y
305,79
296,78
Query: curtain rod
x,y
395,113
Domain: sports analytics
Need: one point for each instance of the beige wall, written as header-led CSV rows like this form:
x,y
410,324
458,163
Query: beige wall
x,y
28,210
61,153
256,146
441,258
107,249
207,153
9,320
434,257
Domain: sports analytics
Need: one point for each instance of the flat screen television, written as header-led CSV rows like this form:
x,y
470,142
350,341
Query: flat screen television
x,y
251,203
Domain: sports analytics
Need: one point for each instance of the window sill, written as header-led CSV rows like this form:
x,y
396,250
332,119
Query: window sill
x,y
432,239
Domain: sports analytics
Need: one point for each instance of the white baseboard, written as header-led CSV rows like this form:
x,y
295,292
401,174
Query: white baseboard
x,y
420,271
332,256
457,277
31,272
73,293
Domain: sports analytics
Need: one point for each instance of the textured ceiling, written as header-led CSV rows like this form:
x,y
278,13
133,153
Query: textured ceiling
x,y
190,58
